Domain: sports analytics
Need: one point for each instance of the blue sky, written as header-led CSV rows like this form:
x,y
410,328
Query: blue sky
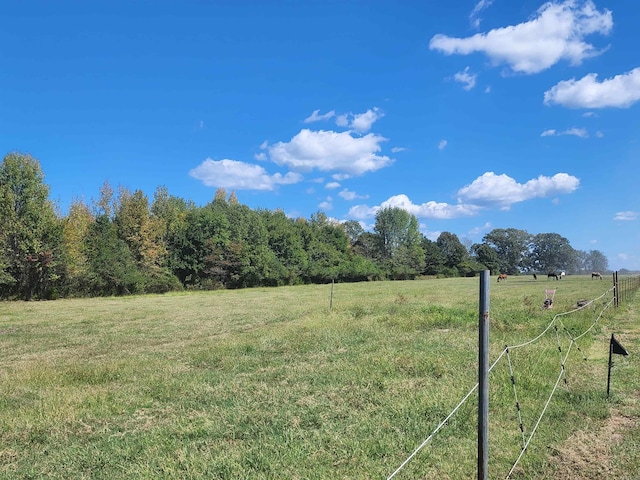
x,y
472,115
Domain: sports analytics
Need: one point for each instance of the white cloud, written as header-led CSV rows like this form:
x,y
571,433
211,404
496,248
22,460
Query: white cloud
x,y
442,144
261,157
424,210
332,185
317,117
468,80
327,204
478,230
342,120
360,122
620,91
488,89
503,191
555,33
340,176
577,132
626,216
398,149
349,195
474,16
599,134
589,114
240,175
328,150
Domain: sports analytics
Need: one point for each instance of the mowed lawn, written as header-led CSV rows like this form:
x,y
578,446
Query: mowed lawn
x,y
271,383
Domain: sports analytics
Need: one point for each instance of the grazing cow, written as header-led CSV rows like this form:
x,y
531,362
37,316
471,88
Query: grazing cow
x,y
596,275
562,275
502,276
553,275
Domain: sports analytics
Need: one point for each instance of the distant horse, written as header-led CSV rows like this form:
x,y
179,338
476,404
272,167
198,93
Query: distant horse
x,y
502,276
553,275
596,275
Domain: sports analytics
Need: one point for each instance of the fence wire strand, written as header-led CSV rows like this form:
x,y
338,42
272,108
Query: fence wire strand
x,y
505,351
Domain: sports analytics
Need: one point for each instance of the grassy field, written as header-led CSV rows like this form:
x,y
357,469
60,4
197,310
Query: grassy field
x,y
270,384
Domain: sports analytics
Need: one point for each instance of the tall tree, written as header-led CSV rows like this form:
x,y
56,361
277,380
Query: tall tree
x,y
75,229
400,242
487,256
434,257
597,262
286,243
455,253
551,251
31,236
512,246
139,230
112,268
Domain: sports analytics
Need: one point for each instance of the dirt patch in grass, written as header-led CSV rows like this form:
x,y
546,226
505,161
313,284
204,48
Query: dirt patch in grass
x,y
588,455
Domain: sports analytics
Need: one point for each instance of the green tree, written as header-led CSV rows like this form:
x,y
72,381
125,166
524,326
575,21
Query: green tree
x,y
112,268
550,252
31,236
512,246
75,229
400,242
286,243
455,253
487,256
197,245
596,261
434,257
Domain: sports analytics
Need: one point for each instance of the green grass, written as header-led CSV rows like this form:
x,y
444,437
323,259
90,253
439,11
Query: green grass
x,y
268,383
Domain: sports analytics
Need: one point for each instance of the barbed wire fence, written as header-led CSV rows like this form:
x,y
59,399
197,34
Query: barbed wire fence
x,y
559,331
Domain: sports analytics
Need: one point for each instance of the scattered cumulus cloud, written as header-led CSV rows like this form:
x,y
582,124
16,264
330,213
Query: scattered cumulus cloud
x,y
467,79
425,210
261,156
620,91
359,122
328,150
503,191
442,144
626,216
340,176
576,132
326,204
398,149
474,16
317,117
349,195
478,230
555,33
237,175
332,185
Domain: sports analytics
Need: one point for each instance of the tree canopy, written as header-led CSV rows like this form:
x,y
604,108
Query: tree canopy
x,y
122,243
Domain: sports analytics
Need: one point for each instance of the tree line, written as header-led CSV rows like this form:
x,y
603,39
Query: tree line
x,y
124,243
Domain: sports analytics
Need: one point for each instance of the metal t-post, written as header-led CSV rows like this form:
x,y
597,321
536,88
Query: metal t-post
x,y
483,378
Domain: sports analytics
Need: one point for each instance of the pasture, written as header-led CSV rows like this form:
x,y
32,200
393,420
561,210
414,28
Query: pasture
x,y
268,383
